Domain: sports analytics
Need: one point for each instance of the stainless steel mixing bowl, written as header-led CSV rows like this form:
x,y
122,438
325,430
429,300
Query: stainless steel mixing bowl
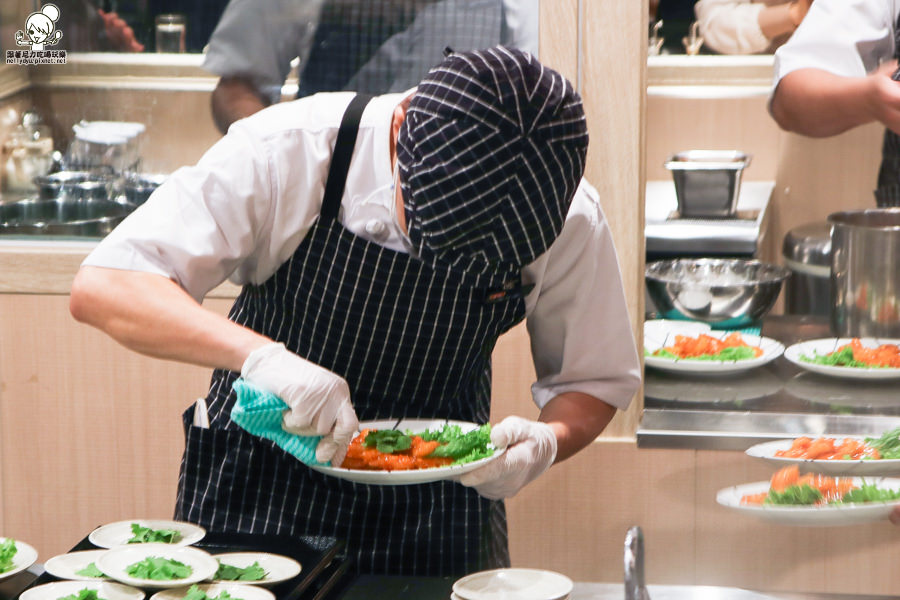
x,y
62,216
715,290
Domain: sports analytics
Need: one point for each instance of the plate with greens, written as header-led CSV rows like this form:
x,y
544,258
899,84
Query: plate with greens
x,y
255,568
836,454
82,590
15,557
215,591
833,357
728,351
77,566
157,565
390,444
143,531
884,493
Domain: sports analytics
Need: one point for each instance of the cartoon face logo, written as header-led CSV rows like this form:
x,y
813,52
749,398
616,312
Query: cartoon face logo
x,y
40,29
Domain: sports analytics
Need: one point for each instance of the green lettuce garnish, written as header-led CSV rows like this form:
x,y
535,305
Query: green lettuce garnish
x,y
90,571
84,594
159,569
231,573
7,552
195,593
144,535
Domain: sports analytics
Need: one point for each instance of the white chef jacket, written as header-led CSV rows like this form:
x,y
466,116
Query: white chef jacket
x,y
844,37
732,26
260,39
245,207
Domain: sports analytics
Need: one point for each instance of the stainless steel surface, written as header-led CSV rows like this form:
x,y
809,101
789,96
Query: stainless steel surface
x,y
75,184
63,216
864,272
807,253
776,401
138,187
707,181
715,290
635,588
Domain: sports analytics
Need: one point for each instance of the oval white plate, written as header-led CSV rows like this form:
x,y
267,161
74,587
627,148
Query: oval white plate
x,y
66,566
772,349
840,514
415,476
277,567
826,345
236,590
117,534
880,467
115,561
521,584
108,590
24,557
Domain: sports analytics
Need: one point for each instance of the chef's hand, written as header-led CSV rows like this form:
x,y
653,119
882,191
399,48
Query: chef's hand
x,y
530,450
319,400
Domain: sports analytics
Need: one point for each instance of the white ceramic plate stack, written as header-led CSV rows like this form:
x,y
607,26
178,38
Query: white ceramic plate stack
x,y
509,584
277,567
115,562
117,534
24,557
108,590
235,590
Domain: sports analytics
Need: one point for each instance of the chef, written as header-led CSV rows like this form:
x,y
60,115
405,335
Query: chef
x,y
835,74
384,245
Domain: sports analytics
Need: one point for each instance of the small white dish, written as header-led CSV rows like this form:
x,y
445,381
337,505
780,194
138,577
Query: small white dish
x,y
107,590
771,349
812,516
115,563
521,584
846,467
118,533
238,591
24,557
277,567
66,566
811,348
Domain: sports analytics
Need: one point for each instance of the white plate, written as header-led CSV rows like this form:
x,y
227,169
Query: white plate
x,y
826,345
880,467
772,349
24,557
840,514
236,590
115,561
521,584
277,567
108,590
414,476
65,566
117,534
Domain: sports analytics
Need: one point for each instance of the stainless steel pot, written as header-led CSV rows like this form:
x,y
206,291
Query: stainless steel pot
x,y
865,272
62,216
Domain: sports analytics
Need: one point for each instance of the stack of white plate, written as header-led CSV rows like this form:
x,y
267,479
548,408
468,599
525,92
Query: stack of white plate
x,y
513,584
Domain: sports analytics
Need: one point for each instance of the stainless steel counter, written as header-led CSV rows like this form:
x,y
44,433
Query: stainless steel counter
x,y
778,400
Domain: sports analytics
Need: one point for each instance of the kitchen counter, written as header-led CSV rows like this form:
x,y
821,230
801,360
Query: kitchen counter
x,y
775,401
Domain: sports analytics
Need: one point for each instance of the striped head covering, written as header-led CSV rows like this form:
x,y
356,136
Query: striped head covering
x,y
490,154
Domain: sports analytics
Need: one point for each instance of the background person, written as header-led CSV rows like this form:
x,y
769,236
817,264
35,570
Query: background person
x,y
462,213
748,26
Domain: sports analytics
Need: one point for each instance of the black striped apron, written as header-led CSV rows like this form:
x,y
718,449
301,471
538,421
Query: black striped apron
x,y
412,341
888,191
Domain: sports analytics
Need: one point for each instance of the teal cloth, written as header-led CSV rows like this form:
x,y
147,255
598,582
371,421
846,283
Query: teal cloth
x,y
259,412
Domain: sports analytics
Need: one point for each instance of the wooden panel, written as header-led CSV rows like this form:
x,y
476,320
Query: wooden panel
x,y
89,431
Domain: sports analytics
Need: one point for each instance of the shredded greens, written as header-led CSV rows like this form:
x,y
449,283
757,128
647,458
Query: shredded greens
x,y
142,535
838,358
795,494
388,440
159,569
84,594
231,573
805,495
729,354
462,447
7,552
888,445
90,571
195,593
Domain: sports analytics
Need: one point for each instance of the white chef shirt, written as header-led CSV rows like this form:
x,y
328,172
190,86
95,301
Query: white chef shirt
x,y
245,207
844,37
732,26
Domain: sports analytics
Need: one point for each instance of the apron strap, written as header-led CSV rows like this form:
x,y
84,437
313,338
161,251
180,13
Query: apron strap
x,y
340,159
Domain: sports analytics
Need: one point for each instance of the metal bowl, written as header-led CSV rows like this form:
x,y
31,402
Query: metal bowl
x,y
83,217
733,292
76,184
139,187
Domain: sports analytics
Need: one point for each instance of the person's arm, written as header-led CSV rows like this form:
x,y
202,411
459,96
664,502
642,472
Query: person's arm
x,y
576,419
235,98
745,27
817,103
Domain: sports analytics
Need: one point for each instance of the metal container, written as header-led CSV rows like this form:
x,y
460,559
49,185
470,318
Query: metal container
x,y
726,291
865,272
807,253
75,184
707,182
138,187
62,216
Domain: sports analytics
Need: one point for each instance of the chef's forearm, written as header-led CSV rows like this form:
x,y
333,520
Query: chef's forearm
x,y
233,99
151,314
577,419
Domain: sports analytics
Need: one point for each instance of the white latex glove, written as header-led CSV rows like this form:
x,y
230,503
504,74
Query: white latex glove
x,y
530,450
319,400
